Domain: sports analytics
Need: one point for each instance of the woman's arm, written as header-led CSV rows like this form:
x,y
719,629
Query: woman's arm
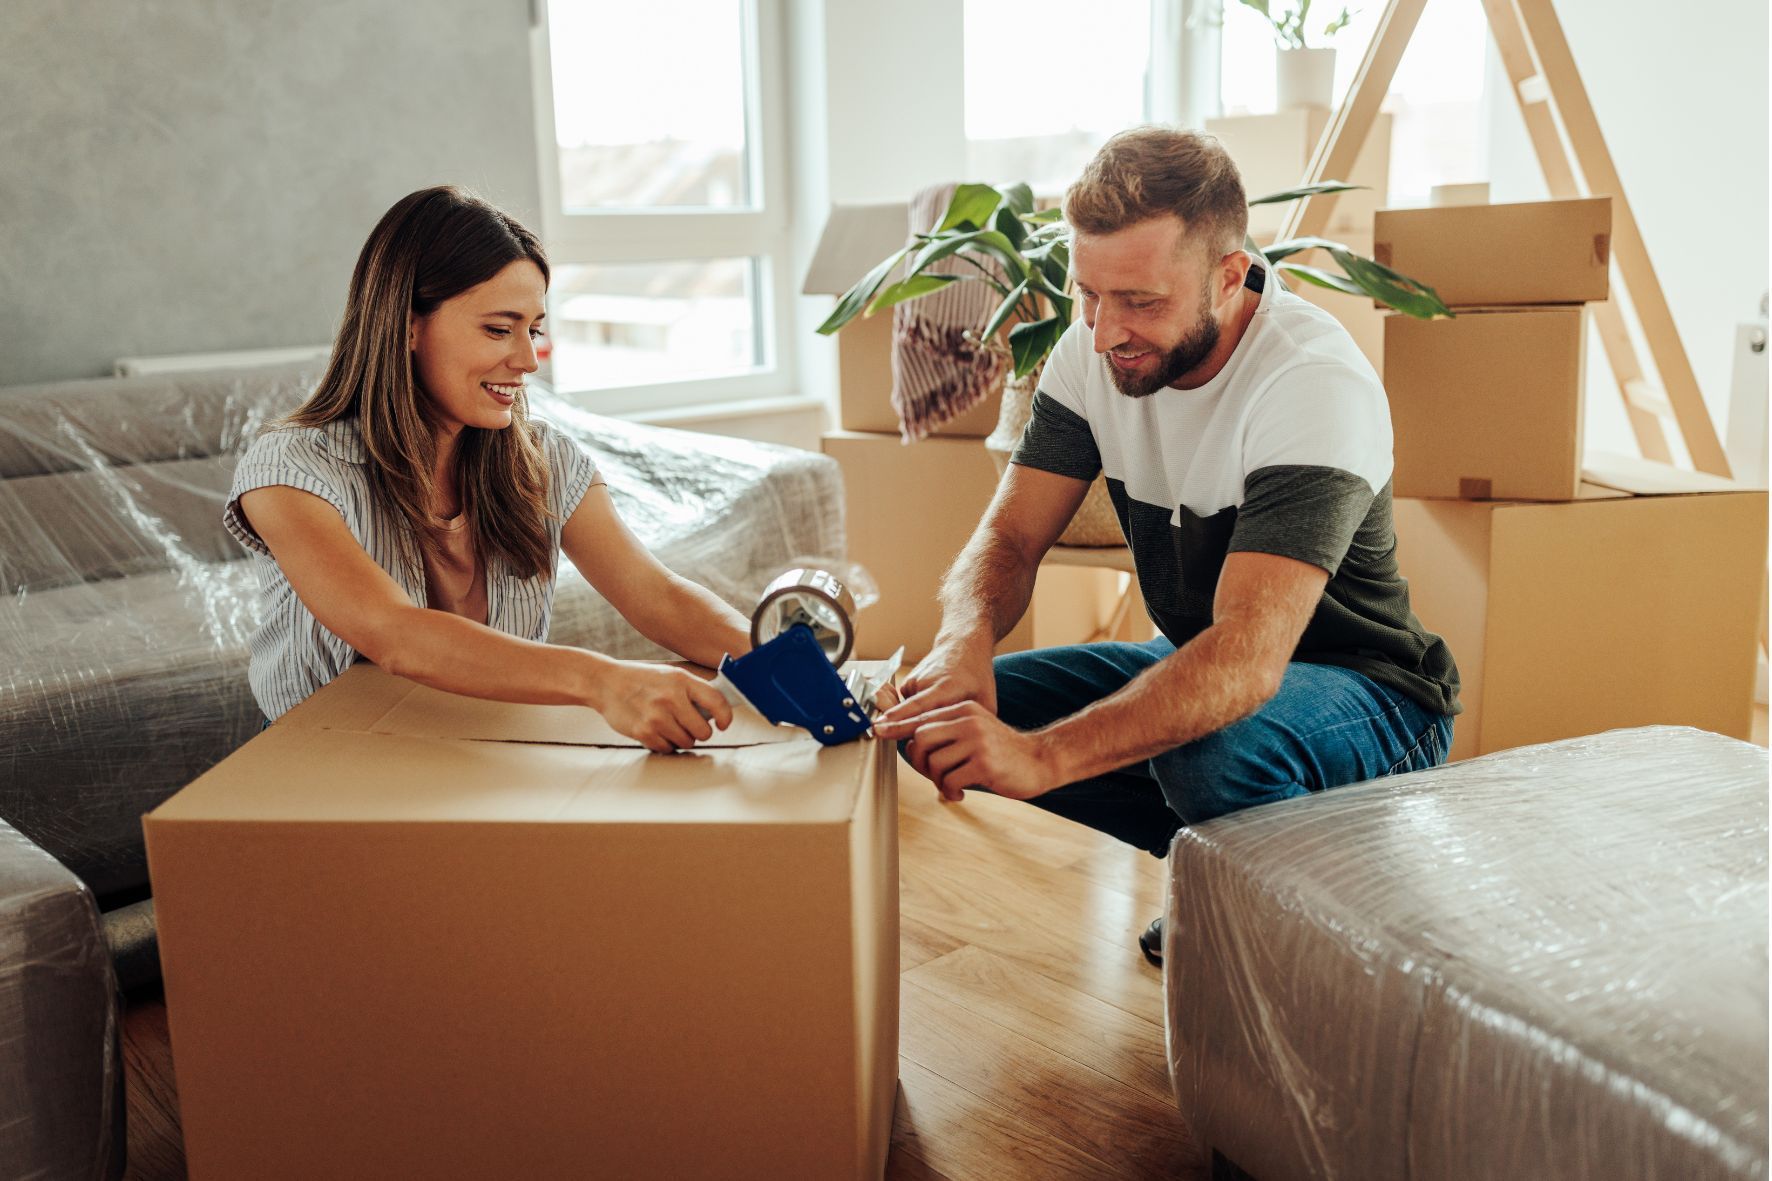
x,y
688,619
358,601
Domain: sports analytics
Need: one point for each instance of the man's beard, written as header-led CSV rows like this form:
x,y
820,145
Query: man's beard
x,y
1194,348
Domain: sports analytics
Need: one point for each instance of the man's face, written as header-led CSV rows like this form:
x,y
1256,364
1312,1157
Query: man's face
x,y
1149,297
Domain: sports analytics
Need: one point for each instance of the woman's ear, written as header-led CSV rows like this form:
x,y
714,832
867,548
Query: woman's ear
x,y
411,333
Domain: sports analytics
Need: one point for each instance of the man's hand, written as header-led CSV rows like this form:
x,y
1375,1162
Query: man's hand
x,y
965,745
952,672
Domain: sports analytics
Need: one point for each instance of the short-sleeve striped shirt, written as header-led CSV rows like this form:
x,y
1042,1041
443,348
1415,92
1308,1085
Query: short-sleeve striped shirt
x,y
293,654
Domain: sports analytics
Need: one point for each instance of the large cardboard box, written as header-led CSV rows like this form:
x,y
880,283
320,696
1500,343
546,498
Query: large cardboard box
x,y
409,934
909,510
855,239
1273,153
1637,604
1534,252
1488,405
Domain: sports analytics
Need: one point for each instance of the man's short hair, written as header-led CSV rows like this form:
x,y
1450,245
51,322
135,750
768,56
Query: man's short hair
x,y
1151,171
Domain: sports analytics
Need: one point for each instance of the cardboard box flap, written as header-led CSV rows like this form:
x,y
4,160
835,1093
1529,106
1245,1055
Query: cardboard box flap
x,y
855,239
291,774
368,700
1645,477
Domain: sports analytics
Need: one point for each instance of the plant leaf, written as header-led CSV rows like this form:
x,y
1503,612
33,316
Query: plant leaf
x,y
1031,343
1391,288
1004,310
1323,278
856,298
1043,216
1328,186
1019,198
1042,280
991,242
1011,228
908,289
971,207
1293,246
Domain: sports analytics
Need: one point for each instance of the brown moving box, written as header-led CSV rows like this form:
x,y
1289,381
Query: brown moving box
x,y
1273,152
408,934
1537,252
909,510
1637,604
855,238
1488,405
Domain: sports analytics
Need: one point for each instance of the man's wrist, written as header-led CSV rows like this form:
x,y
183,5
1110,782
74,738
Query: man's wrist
x,y
1054,755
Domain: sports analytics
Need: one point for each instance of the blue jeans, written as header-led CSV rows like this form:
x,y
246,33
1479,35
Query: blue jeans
x,y
1327,726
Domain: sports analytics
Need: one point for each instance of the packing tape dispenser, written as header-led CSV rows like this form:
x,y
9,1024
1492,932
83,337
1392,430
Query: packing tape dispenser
x,y
801,633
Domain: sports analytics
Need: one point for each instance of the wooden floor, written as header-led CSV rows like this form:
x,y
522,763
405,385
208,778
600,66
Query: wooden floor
x,y
1032,1030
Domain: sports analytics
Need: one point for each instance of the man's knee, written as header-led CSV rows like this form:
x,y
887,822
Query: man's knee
x,y
1224,772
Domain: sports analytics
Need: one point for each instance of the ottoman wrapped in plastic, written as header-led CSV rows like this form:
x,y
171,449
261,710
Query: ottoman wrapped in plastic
x,y
1546,963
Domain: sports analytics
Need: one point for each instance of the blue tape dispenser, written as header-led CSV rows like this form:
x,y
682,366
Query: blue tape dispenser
x,y
800,633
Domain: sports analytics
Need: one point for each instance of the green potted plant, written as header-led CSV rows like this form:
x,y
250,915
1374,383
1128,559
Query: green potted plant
x,y
1023,253
1304,75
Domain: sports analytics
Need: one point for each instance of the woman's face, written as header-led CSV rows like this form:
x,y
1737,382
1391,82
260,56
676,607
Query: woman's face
x,y
472,352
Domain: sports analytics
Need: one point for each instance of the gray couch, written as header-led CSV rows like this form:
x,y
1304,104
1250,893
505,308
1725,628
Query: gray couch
x,y
125,608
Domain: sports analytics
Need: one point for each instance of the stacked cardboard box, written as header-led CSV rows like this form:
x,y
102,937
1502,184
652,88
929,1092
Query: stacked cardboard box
x,y
1273,153
1578,593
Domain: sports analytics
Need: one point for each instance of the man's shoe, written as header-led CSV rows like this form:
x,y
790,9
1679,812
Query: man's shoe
x,y
1151,942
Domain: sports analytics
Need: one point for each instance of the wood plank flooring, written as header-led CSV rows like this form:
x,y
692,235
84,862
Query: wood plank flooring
x,y
1031,1036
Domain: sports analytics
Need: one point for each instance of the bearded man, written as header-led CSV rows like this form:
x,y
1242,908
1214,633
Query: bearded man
x,y
1246,443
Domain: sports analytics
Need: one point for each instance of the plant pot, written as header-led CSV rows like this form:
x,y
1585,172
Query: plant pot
x,y
1096,525
1304,78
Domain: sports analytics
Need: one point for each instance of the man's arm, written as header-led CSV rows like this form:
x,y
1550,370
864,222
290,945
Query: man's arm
x,y
987,589
1262,605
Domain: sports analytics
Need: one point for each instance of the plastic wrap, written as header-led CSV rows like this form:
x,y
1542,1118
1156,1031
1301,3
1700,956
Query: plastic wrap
x,y
1544,963
126,609
61,1073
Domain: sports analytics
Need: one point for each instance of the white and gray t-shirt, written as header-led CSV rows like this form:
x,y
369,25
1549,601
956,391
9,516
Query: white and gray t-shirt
x,y
1287,450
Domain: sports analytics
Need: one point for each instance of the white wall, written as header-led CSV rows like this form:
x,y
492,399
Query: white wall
x,y
876,100
195,175
1681,96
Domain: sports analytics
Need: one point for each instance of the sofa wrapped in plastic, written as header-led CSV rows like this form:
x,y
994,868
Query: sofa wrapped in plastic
x,y
126,609
61,1071
1546,963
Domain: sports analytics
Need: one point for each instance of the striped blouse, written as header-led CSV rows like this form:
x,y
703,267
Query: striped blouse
x,y
292,653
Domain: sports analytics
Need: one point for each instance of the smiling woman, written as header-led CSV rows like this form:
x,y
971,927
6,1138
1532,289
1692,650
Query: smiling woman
x,y
411,512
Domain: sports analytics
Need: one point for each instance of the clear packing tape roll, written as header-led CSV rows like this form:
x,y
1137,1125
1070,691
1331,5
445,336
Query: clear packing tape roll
x,y
802,631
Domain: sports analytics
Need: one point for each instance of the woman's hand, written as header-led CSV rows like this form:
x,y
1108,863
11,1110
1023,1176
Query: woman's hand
x,y
664,709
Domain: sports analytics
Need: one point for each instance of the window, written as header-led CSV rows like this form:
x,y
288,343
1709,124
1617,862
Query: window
x,y
1436,97
1039,117
663,200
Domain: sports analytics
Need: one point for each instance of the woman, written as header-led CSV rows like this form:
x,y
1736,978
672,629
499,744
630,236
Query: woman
x,y
410,513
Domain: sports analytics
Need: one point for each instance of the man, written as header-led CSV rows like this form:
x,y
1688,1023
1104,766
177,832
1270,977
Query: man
x,y
1247,447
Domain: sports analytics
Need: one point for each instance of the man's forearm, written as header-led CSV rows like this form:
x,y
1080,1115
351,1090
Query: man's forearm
x,y
986,591
1215,679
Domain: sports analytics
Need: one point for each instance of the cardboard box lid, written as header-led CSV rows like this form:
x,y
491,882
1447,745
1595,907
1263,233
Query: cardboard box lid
x,y
1629,475
856,238
1528,252
367,700
373,748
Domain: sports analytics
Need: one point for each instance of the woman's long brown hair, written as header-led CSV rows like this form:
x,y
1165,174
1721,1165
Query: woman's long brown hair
x,y
431,246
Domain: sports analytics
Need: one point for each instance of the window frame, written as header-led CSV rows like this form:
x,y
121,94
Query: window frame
x,y
761,231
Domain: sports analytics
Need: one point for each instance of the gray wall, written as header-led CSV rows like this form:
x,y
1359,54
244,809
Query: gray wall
x,y
193,175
